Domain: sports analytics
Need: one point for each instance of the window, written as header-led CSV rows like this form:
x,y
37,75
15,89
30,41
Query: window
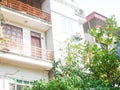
x,y
17,86
11,86
13,36
20,87
12,32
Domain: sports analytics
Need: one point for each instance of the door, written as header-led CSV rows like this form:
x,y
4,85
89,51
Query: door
x,y
36,42
36,50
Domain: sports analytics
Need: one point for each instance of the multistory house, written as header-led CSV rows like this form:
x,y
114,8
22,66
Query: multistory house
x,y
31,34
93,20
67,21
24,56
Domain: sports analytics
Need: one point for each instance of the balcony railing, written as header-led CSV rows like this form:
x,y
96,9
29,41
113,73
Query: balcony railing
x,y
26,9
26,50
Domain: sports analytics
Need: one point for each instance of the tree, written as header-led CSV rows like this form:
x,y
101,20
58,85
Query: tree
x,y
101,58
88,65
68,74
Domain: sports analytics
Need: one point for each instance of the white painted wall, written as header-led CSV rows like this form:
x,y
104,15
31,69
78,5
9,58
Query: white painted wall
x,y
26,41
49,39
46,6
1,84
4,85
22,73
64,24
89,38
63,9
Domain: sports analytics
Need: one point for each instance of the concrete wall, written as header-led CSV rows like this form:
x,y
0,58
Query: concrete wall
x,y
64,24
49,39
22,73
46,6
19,73
89,38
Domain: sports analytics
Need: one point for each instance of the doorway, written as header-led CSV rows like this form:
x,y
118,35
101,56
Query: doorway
x,y
36,50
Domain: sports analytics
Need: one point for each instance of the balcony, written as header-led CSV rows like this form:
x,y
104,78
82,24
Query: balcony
x,y
25,55
26,9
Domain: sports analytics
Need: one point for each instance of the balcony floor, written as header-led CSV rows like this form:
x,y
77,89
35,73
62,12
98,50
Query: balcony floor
x,y
25,55
25,62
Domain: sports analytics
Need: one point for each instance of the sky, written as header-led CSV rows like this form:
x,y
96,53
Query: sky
x,y
104,7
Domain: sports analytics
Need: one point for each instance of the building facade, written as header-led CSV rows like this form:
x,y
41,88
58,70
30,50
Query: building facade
x,y
93,20
67,21
31,35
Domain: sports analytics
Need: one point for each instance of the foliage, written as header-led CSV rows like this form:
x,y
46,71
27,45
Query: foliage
x,y
102,59
68,74
87,66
